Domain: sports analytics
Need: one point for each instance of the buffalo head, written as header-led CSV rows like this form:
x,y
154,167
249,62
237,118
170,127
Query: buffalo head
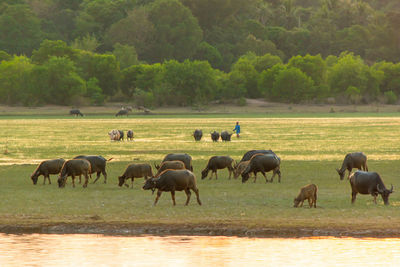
x,y
150,184
384,193
35,177
121,180
204,173
341,173
61,181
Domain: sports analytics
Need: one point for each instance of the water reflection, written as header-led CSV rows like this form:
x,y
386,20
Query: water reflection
x,y
99,250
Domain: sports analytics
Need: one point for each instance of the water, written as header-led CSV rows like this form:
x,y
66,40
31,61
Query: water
x,y
99,250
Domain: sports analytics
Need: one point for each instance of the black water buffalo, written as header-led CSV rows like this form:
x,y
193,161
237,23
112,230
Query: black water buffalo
x,y
353,160
135,170
216,163
97,165
368,183
225,136
215,136
247,156
197,134
75,112
74,167
46,168
263,163
169,165
122,112
171,181
129,135
185,158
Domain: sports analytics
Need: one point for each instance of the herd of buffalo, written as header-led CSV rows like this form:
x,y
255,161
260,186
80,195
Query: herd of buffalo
x,y
175,173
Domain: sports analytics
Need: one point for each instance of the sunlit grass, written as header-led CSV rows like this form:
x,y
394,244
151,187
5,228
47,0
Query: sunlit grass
x,y
310,149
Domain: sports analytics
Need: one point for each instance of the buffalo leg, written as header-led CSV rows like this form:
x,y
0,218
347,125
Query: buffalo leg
x,y
80,179
255,177
48,178
310,203
375,196
188,194
105,176
73,180
266,179
157,197
216,175
132,182
97,178
173,197
301,203
86,180
230,169
196,191
353,197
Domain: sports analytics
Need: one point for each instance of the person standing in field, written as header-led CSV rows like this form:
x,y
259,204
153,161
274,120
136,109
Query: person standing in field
x,y
237,129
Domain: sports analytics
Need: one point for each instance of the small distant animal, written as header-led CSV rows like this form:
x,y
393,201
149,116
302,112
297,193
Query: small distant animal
x,y
97,165
216,163
169,165
129,135
247,156
263,163
122,112
197,134
215,136
368,183
46,168
185,158
135,170
116,135
74,167
171,181
353,160
75,112
225,136
308,192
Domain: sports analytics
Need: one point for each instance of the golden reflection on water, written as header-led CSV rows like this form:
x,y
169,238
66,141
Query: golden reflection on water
x,y
99,250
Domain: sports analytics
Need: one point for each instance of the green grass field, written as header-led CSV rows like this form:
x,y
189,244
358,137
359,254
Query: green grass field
x,y
310,149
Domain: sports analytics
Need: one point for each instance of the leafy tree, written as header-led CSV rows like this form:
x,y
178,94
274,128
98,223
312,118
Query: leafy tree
x,y
391,76
126,55
4,56
177,32
209,53
267,79
266,62
94,92
313,66
50,48
20,30
249,77
88,43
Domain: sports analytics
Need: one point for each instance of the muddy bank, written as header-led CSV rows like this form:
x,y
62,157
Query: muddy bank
x,y
202,230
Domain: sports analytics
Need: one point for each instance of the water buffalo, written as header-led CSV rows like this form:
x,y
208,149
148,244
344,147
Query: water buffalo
x,y
185,158
215,136
263,163
240,167
225,136
169,165
353,160
75,112
129,135
135,170
216,163
308,192
368,183
122,112
247,156
74,167
97,165
46,168
171,181
197,134
116,135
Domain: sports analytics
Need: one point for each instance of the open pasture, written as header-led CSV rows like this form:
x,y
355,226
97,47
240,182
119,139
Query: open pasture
x,y
310,150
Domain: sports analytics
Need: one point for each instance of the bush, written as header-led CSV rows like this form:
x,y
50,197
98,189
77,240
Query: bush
x,y
390,97
242,102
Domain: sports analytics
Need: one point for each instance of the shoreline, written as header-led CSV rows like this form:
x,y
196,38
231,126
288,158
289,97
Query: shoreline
x,y
125,229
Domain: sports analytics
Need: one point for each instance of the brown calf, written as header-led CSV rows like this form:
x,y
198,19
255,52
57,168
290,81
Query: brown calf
x,y
135,170
307,192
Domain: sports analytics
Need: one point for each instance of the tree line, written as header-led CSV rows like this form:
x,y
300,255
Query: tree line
x,y
189,52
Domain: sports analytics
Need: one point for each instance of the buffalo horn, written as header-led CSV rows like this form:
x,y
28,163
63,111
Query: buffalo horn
x,y
378,188
391,189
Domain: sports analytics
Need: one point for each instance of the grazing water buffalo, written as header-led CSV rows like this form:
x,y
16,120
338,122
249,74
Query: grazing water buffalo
x,y
353,160
122,112
368,183
185,158
129,135
116,135
263,163
225,136
97,165
247,156
171,181
216,163
308,192
74,167
169,165
135,170
75,112
46,168
215,136
197,134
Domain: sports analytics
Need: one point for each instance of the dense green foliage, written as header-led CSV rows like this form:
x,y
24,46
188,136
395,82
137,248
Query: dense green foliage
x,y
347,49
